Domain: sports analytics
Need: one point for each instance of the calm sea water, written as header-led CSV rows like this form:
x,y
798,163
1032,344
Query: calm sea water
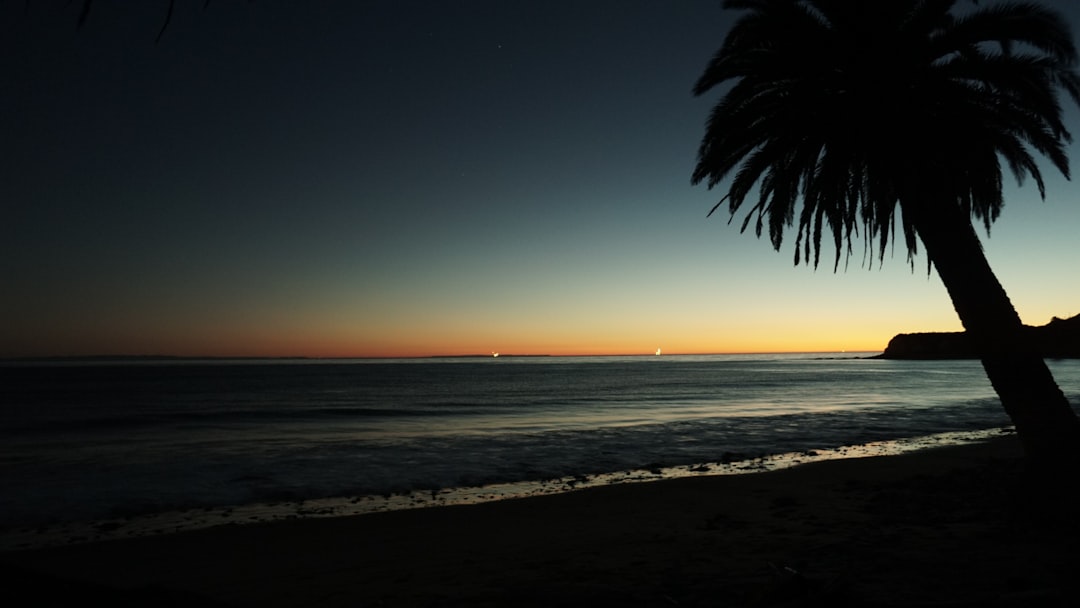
x,y
94,440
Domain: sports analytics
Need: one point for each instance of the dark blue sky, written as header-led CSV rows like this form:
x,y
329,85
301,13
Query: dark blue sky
x,y
389,177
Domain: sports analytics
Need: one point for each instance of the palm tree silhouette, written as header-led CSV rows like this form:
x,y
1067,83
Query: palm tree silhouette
x,y
836,113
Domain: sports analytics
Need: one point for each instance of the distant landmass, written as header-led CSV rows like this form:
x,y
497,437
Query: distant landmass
x,y
1058,339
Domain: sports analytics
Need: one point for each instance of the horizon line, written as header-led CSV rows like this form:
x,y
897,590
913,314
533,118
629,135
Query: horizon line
x,y
159,357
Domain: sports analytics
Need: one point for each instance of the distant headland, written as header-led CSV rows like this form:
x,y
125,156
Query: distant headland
x,y
1058,339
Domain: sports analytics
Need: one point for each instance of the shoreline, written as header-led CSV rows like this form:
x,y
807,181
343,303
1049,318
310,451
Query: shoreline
x,y
180,521
950,526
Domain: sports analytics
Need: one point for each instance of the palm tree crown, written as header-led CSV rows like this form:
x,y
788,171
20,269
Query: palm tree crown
x,y
853,108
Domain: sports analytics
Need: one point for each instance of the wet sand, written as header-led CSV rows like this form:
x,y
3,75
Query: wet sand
x,y
952,526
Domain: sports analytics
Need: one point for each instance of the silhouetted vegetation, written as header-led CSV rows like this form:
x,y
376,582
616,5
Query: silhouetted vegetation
x,y
841,117
86,6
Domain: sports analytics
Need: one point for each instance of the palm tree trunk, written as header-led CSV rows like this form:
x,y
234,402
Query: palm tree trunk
x,y
1044,420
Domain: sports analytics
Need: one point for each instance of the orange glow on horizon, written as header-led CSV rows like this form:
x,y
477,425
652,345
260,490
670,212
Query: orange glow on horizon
x,y
336,336
260,347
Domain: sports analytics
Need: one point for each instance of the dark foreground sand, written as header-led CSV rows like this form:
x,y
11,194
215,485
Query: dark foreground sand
x,y
953,526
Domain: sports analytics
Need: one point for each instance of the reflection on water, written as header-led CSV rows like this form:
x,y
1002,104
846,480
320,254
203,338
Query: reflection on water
x,y
194,519
86,442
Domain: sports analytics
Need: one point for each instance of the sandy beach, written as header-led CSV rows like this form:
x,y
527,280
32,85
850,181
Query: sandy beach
x,y
953,526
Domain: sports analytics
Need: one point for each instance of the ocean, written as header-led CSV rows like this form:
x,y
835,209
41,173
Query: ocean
x,y
99,440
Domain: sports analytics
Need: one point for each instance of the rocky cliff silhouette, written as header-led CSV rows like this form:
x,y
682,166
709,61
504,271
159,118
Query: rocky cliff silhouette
x,y
1058,339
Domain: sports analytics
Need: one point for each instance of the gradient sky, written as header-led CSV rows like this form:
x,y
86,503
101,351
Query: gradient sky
x,y
402,178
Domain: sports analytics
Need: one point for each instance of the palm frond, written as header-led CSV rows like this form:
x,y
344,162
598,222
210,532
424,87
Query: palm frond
x,y
838,113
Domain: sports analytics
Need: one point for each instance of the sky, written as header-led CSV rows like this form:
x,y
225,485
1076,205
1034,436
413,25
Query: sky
x,y
401,178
